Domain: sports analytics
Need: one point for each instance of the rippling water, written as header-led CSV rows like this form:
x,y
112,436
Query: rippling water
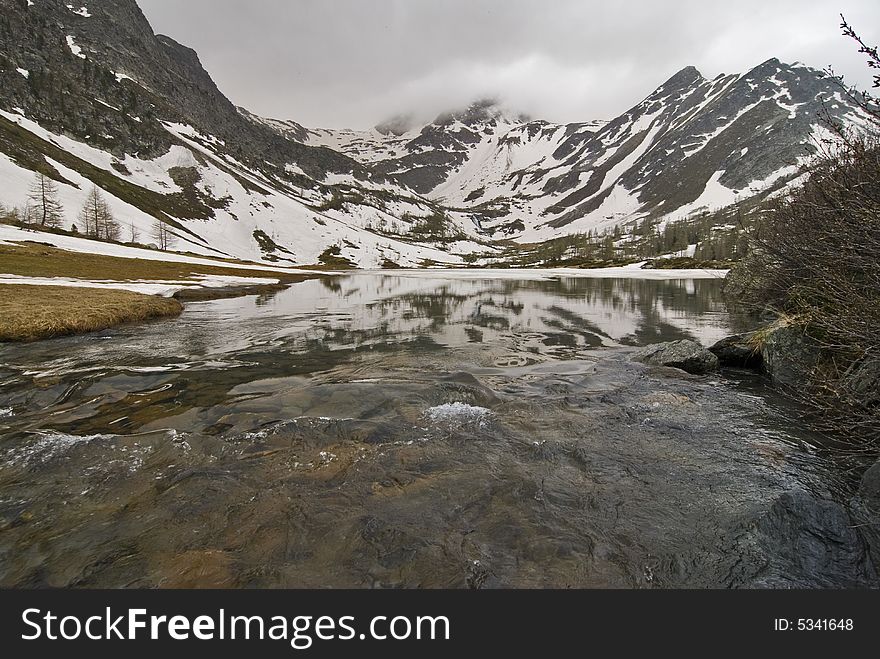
x,y
394,430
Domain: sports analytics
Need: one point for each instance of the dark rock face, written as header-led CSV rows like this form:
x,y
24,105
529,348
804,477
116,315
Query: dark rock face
x,y
124,82
790,356
775,101
444,144
865,508
737,351
687,355
863,381
815,538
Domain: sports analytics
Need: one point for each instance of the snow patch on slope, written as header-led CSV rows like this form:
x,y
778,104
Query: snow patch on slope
x,y
76,50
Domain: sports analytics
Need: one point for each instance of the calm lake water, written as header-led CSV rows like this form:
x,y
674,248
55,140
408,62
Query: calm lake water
x,y
400,429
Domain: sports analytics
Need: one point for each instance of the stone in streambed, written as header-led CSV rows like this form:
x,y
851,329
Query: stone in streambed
x,y
687,355
738,351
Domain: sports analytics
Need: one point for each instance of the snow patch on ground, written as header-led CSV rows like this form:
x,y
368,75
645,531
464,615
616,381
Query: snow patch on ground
x,y
633,271
5,412
10,234
147,287
714,196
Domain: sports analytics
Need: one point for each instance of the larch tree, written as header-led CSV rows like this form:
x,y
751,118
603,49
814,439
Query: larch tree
x,y
163,237
97,218
46,208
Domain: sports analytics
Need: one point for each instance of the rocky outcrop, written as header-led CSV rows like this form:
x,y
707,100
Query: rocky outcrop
x,y
815,539
790,355
687,355
106,79
865,508
739,351
863,382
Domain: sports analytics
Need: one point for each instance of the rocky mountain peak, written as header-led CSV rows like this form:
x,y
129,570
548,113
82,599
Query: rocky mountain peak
x,y
687,77
482,112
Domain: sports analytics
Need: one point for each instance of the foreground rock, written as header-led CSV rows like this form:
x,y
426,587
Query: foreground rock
x,y
790,356
739,351
812,542
687,355
865,508
576,474
863,382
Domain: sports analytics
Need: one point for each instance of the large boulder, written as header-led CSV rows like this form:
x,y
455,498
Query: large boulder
x,y
865,508
738,350
813,542
687,355
863,382
790,355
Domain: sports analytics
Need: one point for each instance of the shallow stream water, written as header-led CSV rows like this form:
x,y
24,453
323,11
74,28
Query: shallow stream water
x,y
400,429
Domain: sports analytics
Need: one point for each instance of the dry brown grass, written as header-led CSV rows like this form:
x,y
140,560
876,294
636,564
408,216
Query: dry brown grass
x,y
37,260
28,313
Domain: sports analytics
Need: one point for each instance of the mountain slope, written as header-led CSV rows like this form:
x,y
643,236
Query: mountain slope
x,y
690,146
90,95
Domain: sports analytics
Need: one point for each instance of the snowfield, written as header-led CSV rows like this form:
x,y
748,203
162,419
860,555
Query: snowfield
x,y
10,234
288,217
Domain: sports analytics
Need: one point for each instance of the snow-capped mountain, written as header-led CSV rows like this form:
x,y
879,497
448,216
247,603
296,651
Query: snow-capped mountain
x,y
90,95
692,145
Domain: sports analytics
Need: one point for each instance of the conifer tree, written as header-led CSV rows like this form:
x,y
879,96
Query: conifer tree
x,y
97,218
46,208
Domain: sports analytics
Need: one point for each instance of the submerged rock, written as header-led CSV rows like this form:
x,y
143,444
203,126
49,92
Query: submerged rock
x,y
687,355
738,351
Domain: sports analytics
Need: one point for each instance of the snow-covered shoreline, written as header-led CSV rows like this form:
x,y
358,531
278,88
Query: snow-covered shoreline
x,y
633,271
162,288
10,234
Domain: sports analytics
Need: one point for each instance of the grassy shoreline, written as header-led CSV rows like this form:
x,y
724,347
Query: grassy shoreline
x,y
31,313
39,260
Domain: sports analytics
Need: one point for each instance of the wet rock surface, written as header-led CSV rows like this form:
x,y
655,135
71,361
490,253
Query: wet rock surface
x,y
738,351
865,507
687,355
600,474
816,540
789,356
251,445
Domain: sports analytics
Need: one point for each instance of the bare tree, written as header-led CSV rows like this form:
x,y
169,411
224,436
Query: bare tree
x,y
162,235
46,207
25,214
133,234
97,218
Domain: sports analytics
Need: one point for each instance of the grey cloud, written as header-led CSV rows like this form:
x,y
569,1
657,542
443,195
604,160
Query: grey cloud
x,y
352,63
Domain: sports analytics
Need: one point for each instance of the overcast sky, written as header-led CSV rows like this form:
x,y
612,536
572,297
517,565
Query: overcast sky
x,y
353,63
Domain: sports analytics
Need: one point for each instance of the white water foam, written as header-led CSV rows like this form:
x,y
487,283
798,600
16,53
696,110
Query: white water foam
x,y
49,445
459,413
